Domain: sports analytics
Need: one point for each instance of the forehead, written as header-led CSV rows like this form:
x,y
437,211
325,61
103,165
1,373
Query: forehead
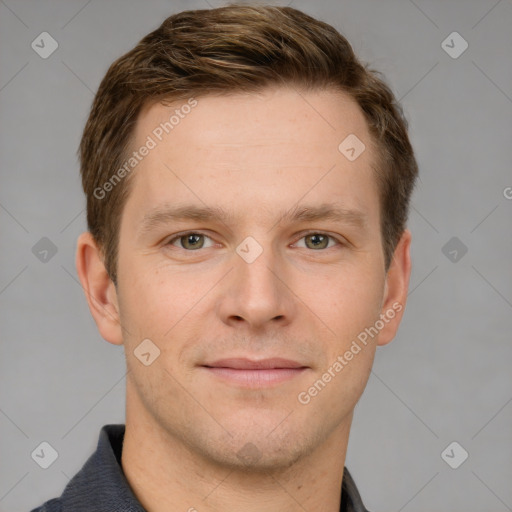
x,y
275,143
228,119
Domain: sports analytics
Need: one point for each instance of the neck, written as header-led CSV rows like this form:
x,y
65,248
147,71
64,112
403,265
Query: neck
x,y
166,474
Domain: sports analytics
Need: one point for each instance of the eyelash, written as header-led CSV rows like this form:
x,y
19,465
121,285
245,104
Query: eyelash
x,y
181,235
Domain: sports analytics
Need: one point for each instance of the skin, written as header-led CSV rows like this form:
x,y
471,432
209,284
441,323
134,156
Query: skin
x,y
258,156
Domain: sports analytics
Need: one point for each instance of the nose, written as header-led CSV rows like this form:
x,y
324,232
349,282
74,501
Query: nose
x,y
256,293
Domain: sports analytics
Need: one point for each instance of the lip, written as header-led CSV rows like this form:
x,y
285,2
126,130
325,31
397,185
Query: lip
x,y
242,363
255,374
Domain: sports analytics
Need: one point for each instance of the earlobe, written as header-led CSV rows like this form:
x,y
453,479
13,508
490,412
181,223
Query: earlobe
x,y
396,289
99,289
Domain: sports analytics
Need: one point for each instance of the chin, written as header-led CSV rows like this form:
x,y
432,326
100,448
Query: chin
x,y
261,450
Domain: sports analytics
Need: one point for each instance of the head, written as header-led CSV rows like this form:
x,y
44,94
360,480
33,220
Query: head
x,y
226,51
242,112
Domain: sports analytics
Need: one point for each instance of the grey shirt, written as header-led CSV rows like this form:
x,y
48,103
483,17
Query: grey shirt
x,y
100,486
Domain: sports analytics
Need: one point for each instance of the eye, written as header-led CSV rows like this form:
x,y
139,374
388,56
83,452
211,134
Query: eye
x,y
318,241
193,241
190,241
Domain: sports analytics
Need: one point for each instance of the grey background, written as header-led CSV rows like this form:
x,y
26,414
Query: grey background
x,y
446,377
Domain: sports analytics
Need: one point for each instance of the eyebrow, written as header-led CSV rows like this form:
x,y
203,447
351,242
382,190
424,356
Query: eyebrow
x,y
300,213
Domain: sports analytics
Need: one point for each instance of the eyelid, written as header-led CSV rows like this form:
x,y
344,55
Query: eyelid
x,y
338,239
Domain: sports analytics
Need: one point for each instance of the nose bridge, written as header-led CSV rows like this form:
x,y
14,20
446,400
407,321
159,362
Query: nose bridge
x,y
254,264
257,294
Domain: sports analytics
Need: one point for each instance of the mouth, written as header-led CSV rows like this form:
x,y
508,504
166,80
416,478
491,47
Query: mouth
x,y
255,374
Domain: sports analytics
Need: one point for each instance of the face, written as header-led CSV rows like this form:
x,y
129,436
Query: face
x,y
249,236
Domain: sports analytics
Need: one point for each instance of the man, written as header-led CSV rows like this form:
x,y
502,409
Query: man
x,y
247,184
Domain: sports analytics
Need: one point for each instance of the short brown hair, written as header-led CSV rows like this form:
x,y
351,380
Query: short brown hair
x,y
237,48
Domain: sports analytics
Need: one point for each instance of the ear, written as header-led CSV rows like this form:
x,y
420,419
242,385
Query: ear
x,y
396,288
99,289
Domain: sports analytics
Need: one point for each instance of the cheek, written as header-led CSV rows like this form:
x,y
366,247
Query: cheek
x,y
158,304
143,301
347,309
347,301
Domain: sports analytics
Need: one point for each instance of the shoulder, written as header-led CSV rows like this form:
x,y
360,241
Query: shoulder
x,y
54,505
